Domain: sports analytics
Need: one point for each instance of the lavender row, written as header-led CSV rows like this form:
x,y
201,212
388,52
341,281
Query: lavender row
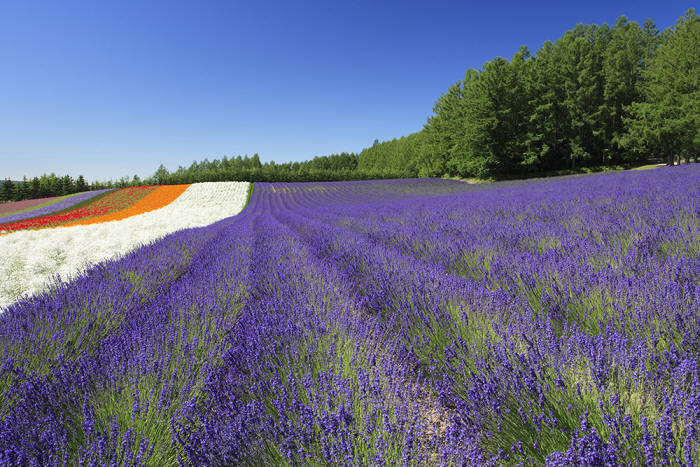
x,y
610,361
413,322
621,301
52,208
103,363
308,377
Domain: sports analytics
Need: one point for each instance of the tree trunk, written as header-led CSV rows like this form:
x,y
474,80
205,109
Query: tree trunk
x,y
669,159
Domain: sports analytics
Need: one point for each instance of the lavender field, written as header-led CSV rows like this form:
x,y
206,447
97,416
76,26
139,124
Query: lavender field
x,y
404,322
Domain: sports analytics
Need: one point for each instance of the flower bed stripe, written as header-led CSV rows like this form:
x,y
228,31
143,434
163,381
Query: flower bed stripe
x,y
18,207
59,204
157,199
31,258
112,202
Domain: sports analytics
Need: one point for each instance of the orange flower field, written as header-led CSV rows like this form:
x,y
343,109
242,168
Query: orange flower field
x,y
103,205
162,196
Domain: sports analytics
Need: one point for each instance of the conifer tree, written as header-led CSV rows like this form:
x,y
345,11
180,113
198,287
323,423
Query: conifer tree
x,y
668,119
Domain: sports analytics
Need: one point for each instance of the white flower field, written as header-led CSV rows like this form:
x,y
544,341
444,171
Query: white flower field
x,y
32,258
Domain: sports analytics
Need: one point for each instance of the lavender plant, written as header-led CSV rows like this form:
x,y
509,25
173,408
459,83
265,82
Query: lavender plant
x,y
416,322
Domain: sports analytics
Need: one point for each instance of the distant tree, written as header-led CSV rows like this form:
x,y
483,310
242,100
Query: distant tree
x,y
80,184
623,62
7,190
36,188
398,157
54,185
23,190
161,176
67,185
123,182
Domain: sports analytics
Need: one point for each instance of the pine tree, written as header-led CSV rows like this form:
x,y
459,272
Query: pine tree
x,y
622,66
80,184
36,188
7,190
24,191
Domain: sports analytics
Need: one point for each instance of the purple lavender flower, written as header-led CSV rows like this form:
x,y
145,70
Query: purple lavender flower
x,y
378,322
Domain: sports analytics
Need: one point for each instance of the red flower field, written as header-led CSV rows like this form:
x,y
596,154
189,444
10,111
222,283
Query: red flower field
x,y
112,202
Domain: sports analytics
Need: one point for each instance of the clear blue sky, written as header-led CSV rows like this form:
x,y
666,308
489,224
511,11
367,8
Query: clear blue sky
x,y
107,89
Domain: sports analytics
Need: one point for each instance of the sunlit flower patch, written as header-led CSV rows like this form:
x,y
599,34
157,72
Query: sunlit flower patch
x,y
17,207
32,257
157,199
107,204
53,205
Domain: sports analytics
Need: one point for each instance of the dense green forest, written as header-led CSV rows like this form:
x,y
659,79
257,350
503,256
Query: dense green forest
x,y
599,96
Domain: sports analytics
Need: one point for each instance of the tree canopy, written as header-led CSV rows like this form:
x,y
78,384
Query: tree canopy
x,y
599,95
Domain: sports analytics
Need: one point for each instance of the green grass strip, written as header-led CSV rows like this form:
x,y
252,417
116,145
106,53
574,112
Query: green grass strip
x,y
248,196
647,167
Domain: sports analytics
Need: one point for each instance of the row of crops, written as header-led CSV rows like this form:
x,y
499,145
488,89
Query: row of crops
x,y
407,322
101,226
23,210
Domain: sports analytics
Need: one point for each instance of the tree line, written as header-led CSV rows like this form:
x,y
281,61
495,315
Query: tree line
x,y
41,187
598,96
334,167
